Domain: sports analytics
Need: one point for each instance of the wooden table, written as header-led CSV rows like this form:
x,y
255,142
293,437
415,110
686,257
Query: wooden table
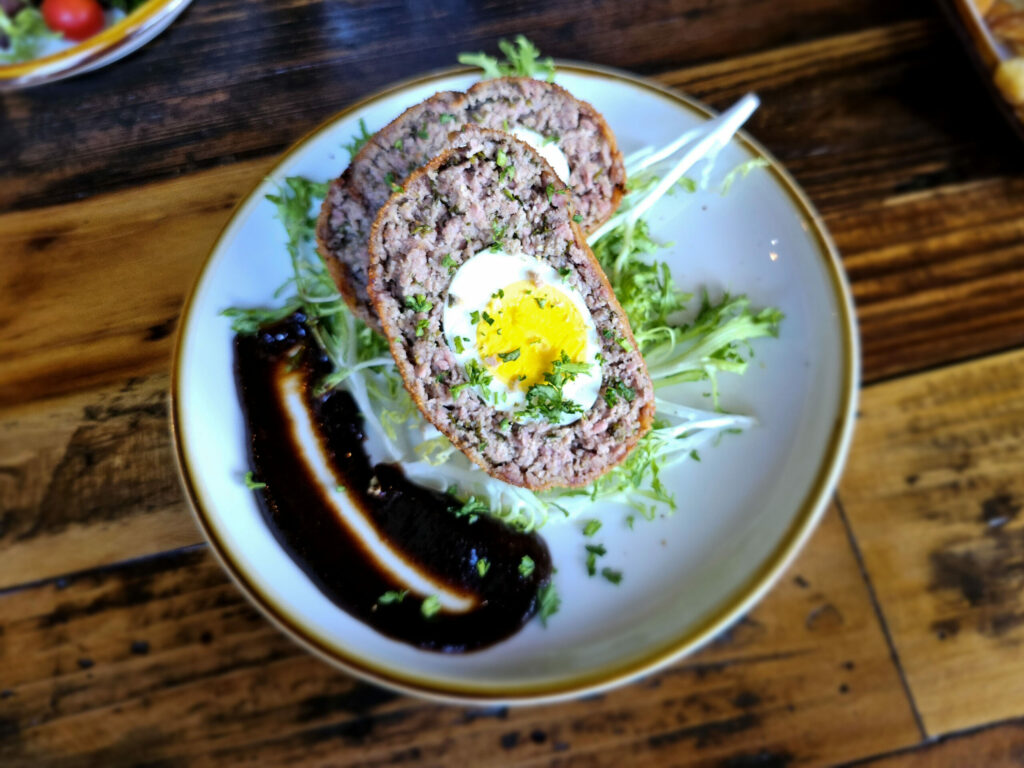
x,y
896,639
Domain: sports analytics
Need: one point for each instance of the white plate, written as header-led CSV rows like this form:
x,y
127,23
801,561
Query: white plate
x,y
744,510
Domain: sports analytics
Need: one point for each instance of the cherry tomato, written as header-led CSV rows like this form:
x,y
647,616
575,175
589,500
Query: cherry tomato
x,y
76,19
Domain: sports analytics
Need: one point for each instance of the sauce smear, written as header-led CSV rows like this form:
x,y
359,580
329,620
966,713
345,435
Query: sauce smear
x,y
417,522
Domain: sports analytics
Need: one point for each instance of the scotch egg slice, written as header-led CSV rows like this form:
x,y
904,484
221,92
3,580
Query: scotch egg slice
x,y
515,316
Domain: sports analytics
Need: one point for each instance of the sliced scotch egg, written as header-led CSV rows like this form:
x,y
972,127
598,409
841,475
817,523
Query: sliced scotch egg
x,y
516,317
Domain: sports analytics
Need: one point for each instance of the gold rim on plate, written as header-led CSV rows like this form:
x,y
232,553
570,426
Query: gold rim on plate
x,y
95,50
813,506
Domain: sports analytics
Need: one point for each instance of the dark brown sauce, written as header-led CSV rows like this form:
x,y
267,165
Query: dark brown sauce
x,y
416,521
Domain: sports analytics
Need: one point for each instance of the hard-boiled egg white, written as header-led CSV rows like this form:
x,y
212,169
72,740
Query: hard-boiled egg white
x,y
515,316
545,148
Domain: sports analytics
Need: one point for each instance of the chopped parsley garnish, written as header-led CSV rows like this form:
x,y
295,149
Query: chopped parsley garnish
x,y
694,455
504,425
445,118
508,357
449,262
592,527
551,192
501,158
470,508
476,376
398,144
498,233
548,400
389,179
564,271
483,565
418,303
571,370
359,140
617,390
431,606
422,133
549,602
422,229
487,318
540,302
459,346
594,551
392,596
577,218
629,521
474,317
551,139
526,566
613,576
252,484
506,173
622,342
421,326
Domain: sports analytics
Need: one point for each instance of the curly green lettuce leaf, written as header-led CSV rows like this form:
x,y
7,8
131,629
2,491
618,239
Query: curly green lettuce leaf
x,y
26,34
741,171
522,59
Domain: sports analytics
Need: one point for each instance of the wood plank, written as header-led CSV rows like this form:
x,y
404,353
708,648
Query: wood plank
x,y
87,481
162,661
90,293
937,275
862,116
229,82
933,492
999,746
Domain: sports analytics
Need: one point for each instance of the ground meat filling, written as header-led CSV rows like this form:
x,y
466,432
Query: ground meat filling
x,y
452,208
597,178
377,170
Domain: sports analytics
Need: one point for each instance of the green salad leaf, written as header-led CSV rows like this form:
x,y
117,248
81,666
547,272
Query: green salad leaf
x,y
522,59
26,34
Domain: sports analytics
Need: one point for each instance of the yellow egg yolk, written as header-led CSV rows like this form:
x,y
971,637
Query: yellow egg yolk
x,y
525,328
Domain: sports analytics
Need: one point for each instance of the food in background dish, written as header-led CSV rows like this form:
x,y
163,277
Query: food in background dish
x,y
482,240
1005,19
569,133
29,28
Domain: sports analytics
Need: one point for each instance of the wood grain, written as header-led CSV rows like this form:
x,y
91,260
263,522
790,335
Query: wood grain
x,y
1000,746
109,273
90,293
116,652
163,662
88,480
229,82
937,275
934,492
